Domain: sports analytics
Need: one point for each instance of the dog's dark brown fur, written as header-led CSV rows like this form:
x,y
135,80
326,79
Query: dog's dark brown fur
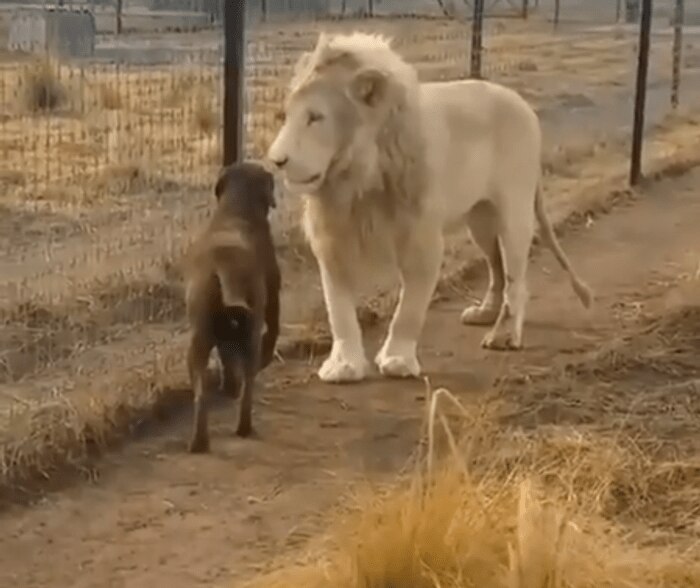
x,y
233,284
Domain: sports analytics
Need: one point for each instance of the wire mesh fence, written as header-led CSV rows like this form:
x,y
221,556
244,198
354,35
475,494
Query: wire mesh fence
x,y
107,160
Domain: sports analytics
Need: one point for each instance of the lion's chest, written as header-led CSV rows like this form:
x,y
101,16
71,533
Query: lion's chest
x,y
361,235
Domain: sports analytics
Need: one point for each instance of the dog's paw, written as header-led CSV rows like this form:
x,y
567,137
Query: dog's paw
x,y
245,429
199,444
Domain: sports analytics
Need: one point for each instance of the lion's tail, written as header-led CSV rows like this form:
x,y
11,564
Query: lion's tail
x,y
583,291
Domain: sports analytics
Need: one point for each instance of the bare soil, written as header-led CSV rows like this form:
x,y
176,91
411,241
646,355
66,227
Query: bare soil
x,y
153,515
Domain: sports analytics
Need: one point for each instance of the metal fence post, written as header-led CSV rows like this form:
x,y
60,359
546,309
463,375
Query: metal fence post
x,y
526,8
641,92
118,10
557,12
477,28
234,77
678,18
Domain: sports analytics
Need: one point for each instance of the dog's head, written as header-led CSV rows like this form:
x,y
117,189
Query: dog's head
x,y
248,188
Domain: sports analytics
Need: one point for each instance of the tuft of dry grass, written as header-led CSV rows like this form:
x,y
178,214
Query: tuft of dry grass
x,y
110,97
41,89
205,118
503,510
39,441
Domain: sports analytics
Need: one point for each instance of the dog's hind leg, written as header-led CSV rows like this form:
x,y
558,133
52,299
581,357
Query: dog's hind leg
x,y
197,360
251,366
272,322
231,371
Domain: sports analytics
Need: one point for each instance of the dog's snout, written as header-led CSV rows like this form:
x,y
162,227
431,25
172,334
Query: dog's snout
x,y
280,162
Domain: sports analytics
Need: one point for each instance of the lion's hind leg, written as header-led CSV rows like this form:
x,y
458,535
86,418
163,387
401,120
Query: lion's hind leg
x,y
483,225
515,234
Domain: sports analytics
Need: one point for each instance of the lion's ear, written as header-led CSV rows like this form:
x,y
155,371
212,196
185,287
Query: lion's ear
x,y
369,87
302,63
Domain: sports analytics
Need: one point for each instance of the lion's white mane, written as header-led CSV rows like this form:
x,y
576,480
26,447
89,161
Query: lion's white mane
x,y
369,190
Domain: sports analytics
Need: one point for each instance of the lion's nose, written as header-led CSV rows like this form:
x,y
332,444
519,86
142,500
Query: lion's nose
x,y
280,163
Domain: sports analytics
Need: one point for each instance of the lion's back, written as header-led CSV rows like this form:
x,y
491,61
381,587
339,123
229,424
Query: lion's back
x,y
478,134
485,111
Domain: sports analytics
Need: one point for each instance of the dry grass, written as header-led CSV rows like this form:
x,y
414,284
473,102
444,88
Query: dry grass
x,y
205,116
35,338
41,440
41,90
499,500
504,510
110,97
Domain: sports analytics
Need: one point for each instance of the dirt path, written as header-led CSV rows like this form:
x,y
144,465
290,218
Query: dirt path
x,y
157,516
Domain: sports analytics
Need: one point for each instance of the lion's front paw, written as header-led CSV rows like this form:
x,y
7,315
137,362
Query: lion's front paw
x,y
398,366
336,369
501,341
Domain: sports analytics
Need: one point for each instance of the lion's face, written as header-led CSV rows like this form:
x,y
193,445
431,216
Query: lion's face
x,y
326,122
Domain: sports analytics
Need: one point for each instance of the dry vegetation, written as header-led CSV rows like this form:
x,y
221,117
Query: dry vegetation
x,y
517,500
105,175
530,517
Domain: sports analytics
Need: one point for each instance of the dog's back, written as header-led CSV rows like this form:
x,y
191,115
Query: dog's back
x,y
223,284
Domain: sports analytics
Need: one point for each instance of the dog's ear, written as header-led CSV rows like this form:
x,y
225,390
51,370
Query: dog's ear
x,y
221,183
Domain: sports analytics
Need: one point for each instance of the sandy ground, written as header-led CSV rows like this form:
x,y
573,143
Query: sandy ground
x,y
154,515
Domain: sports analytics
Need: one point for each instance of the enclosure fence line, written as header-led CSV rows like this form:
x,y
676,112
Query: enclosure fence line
x,y
678,18
234,29
640,93
234,79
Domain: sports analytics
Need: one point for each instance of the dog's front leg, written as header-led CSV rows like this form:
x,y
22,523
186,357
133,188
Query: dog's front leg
x,y
347,361
419,262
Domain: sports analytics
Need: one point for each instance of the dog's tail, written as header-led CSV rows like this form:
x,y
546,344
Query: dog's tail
x,y
233,326
583,291
234,322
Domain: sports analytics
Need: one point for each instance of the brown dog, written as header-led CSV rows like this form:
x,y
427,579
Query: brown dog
x,y
233,282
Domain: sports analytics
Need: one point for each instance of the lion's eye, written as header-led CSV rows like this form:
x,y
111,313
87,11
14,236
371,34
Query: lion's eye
x,y
314,117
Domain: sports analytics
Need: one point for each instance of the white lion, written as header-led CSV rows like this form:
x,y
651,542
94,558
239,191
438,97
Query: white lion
x,y
387,165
